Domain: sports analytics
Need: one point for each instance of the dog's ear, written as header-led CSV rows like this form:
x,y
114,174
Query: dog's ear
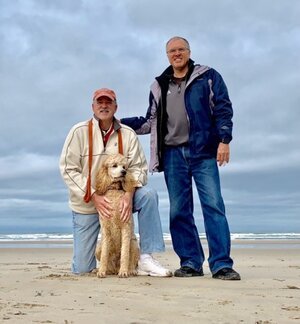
x,y
102,181
129,183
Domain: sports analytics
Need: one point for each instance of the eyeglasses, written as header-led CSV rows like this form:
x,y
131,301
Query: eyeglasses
x,y
106,102
180,50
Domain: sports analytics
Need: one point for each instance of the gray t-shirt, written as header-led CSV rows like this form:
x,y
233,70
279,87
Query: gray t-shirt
x,y
178,124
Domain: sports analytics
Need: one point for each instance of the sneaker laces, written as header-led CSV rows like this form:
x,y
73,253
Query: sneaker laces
x,y
154,262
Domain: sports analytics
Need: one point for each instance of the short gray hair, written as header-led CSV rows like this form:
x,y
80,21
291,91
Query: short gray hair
x,y
178,38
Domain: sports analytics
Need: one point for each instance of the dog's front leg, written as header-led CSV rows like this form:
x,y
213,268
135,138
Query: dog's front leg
x,y
104,254
134,256
125,252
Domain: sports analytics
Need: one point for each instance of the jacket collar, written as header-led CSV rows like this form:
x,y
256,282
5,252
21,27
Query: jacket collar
x,y
168,72
116,123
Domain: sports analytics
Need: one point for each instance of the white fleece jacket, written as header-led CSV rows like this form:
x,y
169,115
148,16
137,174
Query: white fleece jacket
x,y
75,155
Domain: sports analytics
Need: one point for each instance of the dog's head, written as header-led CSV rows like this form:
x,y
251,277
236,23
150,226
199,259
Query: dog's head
x,y
114,169
116,166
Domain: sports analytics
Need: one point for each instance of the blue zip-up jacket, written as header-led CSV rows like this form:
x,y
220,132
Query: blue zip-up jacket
x,y
209,112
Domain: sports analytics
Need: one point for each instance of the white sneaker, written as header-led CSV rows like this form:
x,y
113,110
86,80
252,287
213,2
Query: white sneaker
x,y
150,267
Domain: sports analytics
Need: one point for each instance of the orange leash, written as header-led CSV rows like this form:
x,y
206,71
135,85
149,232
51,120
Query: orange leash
x,y
120,142
87,197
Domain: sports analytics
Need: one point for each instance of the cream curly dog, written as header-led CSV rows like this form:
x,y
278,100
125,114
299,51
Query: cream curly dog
x,y
118,250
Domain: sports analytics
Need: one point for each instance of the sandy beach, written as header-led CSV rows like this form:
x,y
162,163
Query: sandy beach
x,y
36,286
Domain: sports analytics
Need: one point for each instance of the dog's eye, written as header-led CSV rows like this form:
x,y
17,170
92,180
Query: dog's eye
x,y
115,165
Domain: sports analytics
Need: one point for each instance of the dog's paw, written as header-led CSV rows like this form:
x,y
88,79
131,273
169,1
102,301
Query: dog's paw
x,y
133,272
101,274
123,274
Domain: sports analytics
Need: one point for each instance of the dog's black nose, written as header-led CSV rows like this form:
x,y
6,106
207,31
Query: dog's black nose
x,y
123,172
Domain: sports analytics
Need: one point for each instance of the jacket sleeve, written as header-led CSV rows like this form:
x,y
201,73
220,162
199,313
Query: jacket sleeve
x,y
222,108
141,125
71,168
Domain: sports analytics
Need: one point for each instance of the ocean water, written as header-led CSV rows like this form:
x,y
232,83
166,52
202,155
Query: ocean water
x,y
61,240
51,237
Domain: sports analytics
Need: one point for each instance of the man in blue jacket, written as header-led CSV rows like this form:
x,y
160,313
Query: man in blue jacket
x,y
190,120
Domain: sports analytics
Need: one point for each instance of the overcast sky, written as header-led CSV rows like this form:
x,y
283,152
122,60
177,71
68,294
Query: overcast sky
x,y
55,53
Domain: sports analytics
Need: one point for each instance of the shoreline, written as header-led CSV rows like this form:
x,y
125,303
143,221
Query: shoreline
x,y
235,244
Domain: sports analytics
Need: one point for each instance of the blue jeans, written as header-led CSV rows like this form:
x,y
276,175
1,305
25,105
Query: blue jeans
x,y
179,170
86,229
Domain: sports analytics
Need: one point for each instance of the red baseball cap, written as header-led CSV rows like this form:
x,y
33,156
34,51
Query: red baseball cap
x,y
104,92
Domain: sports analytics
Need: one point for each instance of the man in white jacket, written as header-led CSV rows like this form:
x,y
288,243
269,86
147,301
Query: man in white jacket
x,y
108,136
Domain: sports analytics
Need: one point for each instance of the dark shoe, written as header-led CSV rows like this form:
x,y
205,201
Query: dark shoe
x,y
227,274
187,272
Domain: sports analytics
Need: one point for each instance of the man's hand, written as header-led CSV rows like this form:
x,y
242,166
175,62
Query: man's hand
x,y
103,205
223,154
126,206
